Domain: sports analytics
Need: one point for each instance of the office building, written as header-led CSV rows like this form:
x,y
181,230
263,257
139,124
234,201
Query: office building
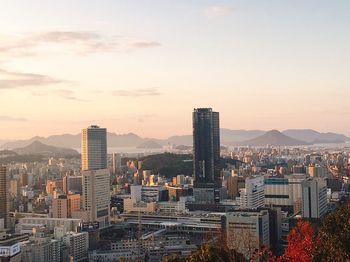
x,y
3,195
316,171
72,184
96,195
65,205
284,191
252,196
94,148
234,184
314,198
78,245
116,163
206,148
10,247
247,231
41,248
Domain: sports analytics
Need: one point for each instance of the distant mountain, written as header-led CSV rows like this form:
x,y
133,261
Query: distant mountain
x,y
38,148
228,137
314,137
185,140
273,138
7,153
74,141
150,144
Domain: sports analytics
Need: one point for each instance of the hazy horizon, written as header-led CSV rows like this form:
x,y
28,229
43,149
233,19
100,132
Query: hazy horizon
x,y
142,66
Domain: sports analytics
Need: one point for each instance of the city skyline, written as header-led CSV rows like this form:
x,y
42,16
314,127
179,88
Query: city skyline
x,y
119,64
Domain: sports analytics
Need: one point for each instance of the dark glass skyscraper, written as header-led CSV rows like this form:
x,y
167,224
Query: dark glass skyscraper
x,y
206,148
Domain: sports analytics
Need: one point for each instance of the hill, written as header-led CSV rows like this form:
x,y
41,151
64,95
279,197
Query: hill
x,y
38,148
228,137
150,144
314,137
273,138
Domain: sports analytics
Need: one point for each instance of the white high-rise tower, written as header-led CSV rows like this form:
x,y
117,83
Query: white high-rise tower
x,y
95,180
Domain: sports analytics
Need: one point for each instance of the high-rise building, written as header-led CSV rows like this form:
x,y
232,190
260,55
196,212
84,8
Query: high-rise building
x,y
252,196
96,196
95,175
206,148
3,195
94,148
314,197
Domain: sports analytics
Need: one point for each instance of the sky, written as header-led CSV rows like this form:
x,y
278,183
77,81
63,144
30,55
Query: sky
x,y
141,66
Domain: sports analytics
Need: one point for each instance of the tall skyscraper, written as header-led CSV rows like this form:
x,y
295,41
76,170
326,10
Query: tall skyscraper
x,y
95,175
3,195
206,148
94,148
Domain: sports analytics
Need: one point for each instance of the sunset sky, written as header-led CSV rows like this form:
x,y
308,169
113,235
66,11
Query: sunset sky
x,y
142,65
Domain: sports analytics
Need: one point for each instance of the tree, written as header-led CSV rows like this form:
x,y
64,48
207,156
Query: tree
x,y
334,236
301,243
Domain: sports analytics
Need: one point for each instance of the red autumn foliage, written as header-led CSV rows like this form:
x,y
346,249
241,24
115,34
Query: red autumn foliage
x,y
301,243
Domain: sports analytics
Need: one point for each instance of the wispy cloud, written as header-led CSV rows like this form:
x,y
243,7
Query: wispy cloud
x,y
152,91
12,119
68,94
79,42
13,80
217,11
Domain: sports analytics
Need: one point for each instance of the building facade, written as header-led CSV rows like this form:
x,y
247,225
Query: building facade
x,y
94,148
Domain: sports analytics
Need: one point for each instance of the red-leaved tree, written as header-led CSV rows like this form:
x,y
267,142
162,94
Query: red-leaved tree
x,y
301,243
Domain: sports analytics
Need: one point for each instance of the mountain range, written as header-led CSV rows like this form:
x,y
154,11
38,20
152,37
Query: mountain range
x,y
38,148
228,137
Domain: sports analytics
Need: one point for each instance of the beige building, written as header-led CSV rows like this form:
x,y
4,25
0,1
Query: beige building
x,y
96,195
94,148
130,205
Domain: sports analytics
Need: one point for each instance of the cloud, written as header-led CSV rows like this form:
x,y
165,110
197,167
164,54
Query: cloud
x,y
12,119
217,11
145,44
152,91
68,94
14,80
79,42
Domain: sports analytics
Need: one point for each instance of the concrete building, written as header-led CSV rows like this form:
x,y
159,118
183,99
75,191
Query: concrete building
x,y
252,196
284,191
10,247
78,245
116,163
130,205
234,184
72,184
96,196
247,231
41,248
94,148
26,224
314,198
316,171
154,193
65,205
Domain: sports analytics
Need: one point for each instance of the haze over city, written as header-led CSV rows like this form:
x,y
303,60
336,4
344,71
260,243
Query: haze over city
x,y
142,66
